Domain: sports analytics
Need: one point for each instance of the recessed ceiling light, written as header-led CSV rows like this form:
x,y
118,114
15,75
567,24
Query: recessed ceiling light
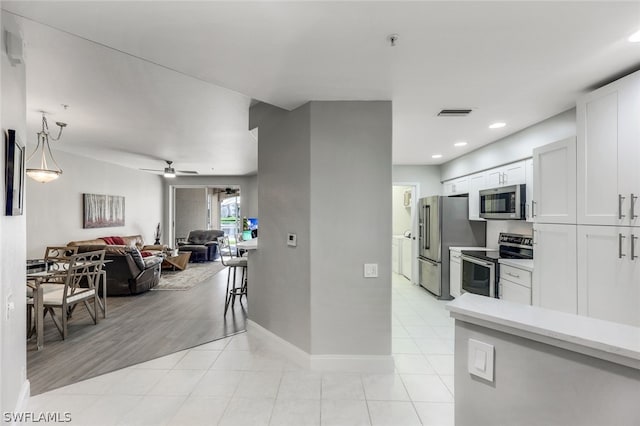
x,y
635,37
462,143
497,125
436,156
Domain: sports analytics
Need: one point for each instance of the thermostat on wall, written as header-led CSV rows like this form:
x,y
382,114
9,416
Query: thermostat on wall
x,y
292,240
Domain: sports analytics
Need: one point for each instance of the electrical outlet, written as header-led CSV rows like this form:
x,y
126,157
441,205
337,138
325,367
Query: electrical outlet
x,y
10,306
371,270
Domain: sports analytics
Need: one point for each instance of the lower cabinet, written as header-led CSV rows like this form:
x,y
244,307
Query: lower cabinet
x,y
515,284
609,273
555,267
454,273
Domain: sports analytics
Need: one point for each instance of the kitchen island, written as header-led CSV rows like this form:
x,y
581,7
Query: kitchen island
x,y
548,367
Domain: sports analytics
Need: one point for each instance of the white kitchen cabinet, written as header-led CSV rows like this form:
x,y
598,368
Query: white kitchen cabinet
x,y
515,284
456,186
476,183
528,180
554,182
608,153
608,277
510,174
407,258
555,269
454,273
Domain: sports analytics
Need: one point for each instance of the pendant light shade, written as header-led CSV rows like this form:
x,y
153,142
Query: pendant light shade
x,y
44,172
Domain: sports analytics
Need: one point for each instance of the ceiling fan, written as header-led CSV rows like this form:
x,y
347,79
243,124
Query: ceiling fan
x,y
170,172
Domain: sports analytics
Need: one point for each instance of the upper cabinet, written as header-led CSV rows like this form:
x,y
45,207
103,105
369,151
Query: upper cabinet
x,y
456,186
608,152
528,179
511,174
476,183
554,183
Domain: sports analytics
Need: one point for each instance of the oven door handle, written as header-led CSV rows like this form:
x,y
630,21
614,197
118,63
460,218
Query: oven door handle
x,y
477,261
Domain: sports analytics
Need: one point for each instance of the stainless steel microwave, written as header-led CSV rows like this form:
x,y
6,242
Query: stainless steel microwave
x,y
506,203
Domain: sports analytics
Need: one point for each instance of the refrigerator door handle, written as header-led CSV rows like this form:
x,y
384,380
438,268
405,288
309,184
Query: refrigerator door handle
x,y
427,216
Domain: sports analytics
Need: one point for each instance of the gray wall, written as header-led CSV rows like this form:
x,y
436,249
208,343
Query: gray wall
x,y
350,226
325,174
55,208
12,238
512,148
280,275
427,176
537,384
191,210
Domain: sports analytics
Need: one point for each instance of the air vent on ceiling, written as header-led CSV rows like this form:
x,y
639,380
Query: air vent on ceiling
x,y
454,113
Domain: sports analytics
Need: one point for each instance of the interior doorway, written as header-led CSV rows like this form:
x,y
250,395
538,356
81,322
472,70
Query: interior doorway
x,y
205,207
404,230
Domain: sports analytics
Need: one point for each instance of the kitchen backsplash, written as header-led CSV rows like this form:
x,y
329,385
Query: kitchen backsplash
x,y
495,227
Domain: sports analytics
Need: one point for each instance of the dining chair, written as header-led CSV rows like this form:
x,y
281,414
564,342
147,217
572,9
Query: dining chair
x,y
56,258
233,263
80,285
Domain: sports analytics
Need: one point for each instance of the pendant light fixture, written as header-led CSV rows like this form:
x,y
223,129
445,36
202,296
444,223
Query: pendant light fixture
x,y
44,173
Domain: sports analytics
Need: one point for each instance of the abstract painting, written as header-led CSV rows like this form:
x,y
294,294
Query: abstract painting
x,y
103,211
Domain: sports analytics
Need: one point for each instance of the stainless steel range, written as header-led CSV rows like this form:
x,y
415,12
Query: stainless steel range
x,y
480,269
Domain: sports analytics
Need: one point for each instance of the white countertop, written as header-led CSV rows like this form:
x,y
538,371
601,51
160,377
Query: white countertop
x,y
248,245
611,341
472,248
526,264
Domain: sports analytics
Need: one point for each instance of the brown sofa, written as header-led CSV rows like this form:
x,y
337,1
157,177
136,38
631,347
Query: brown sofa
x,y
128,273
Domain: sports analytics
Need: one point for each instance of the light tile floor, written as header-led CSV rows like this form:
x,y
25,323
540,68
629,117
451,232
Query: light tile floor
x,y
240,381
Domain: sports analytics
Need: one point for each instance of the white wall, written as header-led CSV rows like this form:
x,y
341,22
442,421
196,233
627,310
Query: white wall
x,y
401,215
427,176
512,148
191,210
537,384
55,208
14,385
350,226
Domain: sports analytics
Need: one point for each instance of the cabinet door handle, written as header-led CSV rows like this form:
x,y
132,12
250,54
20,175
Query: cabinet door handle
x,y
620,202
620,238
633,201
533,208
504,178
513,275
633,247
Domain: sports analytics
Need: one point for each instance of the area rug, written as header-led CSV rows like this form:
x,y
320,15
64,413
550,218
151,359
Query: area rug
x,y
187,279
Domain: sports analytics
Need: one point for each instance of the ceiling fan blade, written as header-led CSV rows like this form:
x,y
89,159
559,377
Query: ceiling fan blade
x,y
152,170
188,172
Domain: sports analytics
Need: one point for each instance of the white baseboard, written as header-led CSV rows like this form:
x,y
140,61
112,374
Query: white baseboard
x,y
343,363
276,342
23,398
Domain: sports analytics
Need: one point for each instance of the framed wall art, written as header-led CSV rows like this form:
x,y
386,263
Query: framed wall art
x,y
103,211
14,174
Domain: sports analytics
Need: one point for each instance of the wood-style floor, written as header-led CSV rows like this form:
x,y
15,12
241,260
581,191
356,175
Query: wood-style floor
x,y
137,328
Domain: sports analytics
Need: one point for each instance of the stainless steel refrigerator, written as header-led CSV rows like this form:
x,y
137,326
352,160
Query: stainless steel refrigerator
x,y
443,222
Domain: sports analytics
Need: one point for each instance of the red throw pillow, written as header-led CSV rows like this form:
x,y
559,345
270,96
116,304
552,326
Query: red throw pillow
x,y
118,241
146,253
109,241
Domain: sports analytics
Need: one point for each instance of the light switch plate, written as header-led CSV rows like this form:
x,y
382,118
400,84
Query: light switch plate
x,y
370,270
480,359
292,240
